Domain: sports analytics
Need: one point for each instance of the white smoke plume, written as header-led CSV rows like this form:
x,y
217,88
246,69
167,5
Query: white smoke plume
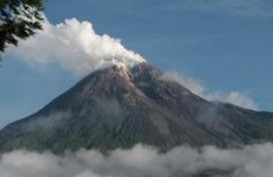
x,y
141,161
76,47
199,88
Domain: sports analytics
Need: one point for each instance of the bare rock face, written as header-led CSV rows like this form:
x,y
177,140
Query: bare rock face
x,y
119,107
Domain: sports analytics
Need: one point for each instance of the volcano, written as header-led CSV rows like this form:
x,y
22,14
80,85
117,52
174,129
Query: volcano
x,y
119,107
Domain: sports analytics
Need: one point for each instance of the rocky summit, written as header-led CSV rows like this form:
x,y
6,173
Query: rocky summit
x,y
119,107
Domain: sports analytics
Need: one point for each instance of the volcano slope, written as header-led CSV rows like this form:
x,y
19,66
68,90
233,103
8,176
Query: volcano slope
x,y
119,107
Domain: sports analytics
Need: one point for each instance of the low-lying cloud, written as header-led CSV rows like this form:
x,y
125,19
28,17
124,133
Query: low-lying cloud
x,y
141,161
199,88
47,122
76,47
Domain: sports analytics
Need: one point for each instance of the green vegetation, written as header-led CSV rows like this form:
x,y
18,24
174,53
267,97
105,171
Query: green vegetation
x,y
19,19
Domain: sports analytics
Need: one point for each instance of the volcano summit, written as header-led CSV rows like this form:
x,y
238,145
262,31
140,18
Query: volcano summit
x,y
119,107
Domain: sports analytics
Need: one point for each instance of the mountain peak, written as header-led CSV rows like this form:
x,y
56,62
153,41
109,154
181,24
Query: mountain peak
x,y
120,106
144,71
123,71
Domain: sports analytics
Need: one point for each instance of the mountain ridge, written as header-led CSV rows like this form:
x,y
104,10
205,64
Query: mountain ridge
x,y
119,107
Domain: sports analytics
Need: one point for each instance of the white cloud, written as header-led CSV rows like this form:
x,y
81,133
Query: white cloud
x,y
196,86
249,161
234,97
75,46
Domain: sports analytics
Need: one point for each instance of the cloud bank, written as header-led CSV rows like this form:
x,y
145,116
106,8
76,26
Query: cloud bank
x,y
197,87
76,47
141,161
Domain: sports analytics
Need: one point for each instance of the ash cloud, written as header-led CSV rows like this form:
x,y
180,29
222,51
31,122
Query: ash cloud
x,y
249,161
75,46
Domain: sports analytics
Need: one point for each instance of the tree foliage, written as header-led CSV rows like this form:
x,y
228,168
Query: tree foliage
x,y
19,19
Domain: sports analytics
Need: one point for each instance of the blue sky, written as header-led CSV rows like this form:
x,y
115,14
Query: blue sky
x,y
222,45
